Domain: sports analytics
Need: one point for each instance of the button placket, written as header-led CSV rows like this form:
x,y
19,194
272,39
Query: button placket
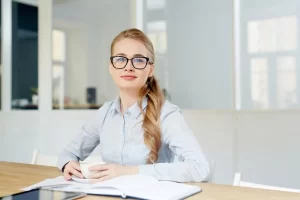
x,y
125,125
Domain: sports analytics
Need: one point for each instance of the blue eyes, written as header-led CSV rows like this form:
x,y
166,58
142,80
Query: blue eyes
x,y
120,59
138,60
135,60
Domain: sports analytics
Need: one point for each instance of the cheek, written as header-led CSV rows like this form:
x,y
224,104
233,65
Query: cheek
x,y
115,75
143,78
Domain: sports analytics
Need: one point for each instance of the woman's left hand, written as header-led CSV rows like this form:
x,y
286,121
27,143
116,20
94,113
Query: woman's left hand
x,y
108,171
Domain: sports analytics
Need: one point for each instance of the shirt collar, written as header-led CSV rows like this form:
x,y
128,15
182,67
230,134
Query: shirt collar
x,y
133,110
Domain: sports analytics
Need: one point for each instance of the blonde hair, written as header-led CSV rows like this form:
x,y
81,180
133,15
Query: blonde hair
x,y
151,90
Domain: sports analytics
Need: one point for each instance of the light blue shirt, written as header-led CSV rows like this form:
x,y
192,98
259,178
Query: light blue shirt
x,y
121,139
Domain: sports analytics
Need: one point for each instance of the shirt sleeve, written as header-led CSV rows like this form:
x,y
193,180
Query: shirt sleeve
x,y
86,140
192,165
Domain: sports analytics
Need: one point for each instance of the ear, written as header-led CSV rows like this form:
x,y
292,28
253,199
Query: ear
x,y
151,72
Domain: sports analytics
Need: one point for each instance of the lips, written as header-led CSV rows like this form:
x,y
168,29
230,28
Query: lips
x,y
128,77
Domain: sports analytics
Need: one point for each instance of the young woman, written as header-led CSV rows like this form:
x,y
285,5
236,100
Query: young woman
x,y
139,132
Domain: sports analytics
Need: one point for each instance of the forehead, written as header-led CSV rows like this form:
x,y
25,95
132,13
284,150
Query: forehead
x,y
129,47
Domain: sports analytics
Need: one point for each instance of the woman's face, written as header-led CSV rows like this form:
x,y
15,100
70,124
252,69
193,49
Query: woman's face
x,y
134,74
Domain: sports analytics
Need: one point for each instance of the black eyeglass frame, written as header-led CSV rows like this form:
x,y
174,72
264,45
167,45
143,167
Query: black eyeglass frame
x,y
127,59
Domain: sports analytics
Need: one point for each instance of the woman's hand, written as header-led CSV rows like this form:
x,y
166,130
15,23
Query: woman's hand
x,y
72,168
108,171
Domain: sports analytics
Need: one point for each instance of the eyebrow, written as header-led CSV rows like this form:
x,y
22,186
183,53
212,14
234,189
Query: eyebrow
x,y
120,54
135,55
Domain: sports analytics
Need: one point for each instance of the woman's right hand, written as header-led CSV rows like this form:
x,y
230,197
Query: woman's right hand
x,y
72,168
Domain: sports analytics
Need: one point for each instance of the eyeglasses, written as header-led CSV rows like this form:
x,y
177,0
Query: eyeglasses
x,y
120,62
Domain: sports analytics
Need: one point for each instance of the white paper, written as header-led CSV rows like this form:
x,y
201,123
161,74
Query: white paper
x,y
147,187
56,182
138,186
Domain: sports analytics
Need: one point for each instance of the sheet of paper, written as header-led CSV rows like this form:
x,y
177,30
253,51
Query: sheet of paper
x,y
146,187
138,186
87,188
58,181
60,184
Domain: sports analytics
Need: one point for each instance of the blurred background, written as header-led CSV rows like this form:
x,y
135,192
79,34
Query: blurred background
x,y
232,66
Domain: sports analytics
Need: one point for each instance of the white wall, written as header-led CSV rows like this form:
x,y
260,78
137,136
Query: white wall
x,y
263,146
21,132
268,147
200,53
216,135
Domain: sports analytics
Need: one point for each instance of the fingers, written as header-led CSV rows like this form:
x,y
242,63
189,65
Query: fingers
x,y
76,173
99,175
72,168
76,166
67,176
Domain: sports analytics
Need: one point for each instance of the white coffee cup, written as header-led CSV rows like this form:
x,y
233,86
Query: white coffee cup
x,y
84,167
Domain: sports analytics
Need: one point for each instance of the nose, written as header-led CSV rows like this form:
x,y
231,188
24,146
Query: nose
x,y
129,66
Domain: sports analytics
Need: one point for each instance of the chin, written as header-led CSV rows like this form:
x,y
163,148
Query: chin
x,y
129,87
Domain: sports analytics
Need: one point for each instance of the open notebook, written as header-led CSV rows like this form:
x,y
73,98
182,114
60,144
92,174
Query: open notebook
x,y
136,186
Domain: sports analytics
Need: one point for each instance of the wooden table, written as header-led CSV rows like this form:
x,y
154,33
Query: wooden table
x,y
14,176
